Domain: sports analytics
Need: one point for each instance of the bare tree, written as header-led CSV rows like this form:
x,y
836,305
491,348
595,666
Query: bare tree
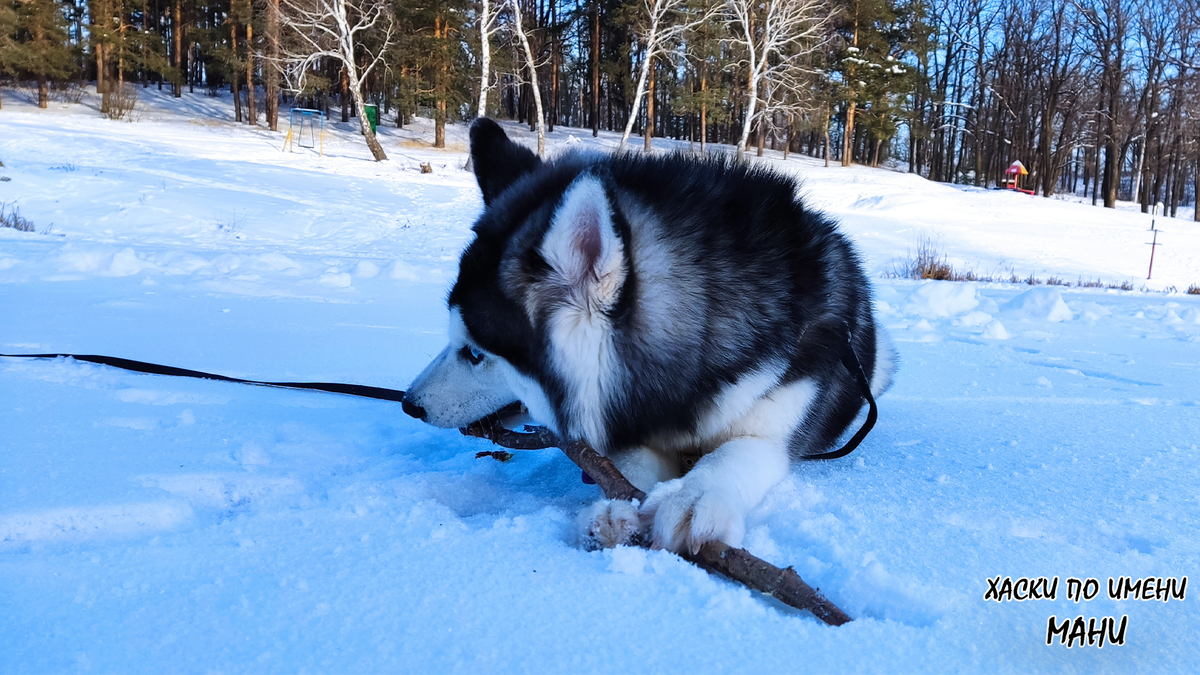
x,y
660,26
533,78
1107,24
334,29
777,36
488,25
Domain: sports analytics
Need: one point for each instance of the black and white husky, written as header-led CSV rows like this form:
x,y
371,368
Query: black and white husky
x,y
650,305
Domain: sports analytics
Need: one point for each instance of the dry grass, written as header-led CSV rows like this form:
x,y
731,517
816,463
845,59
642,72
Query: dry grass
x,y
928,262
121,103
10,216
428,145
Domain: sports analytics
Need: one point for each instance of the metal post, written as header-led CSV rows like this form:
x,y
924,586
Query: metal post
x,y
1153,245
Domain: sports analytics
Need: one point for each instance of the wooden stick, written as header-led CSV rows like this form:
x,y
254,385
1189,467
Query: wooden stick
x,y
715,556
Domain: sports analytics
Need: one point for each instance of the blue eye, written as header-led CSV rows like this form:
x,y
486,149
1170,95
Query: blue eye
x,y
469,353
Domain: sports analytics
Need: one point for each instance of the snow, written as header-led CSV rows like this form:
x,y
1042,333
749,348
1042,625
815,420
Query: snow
x,y
151,523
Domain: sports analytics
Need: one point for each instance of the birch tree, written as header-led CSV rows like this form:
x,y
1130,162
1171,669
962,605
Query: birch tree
x,y
488,25
775,35
533,78
661,26
335,29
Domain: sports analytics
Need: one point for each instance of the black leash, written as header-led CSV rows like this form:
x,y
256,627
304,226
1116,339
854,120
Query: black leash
x,y
848,357
155,369
852,364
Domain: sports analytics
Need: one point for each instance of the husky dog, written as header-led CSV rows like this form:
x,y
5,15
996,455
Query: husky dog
x,y
650,305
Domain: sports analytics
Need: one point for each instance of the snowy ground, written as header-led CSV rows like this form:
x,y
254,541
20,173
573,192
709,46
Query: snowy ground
x,y
151,524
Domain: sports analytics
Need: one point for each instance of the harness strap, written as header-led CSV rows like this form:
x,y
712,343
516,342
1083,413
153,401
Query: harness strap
x,y
852,364
155,369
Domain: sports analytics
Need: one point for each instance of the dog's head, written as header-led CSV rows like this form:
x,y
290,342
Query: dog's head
x,y
529,312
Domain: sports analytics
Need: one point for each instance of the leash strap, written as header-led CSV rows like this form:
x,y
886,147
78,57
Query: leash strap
x,y
156,369
852,364
848,357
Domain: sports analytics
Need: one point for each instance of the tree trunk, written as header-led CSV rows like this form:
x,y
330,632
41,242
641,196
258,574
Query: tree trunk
x,y
639,92
1137,176
439,124
1112,155
360,109
552,118
762,133
234,85
251,109
595,68
650,109
100,88
537,95
703,109
441,31
346,94
848,137
271,68
828,114
485,57
177,55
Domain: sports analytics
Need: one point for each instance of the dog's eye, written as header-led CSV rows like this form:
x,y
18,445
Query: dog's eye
x,y
474,356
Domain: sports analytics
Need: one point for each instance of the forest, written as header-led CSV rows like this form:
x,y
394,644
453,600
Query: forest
x,y
1096,98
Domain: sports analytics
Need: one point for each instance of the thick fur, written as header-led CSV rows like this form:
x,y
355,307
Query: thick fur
x,y
652,304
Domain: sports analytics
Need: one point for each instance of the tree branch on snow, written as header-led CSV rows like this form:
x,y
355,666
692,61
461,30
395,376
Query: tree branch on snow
x,y
715,556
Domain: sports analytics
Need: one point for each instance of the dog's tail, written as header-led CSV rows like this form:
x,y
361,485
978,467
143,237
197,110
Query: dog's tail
x,y
886,361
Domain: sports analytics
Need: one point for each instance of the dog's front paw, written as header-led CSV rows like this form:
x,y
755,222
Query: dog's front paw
x,y
607,523
686,514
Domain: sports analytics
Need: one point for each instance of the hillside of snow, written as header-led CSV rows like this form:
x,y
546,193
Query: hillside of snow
x,y
155,524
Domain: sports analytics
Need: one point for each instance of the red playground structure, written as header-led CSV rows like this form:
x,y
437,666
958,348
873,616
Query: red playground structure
x,y
1012,177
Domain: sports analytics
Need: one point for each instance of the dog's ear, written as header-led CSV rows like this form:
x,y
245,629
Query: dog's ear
x,y
498,162
583,245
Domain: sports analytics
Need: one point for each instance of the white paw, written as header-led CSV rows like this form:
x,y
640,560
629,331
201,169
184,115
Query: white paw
x,y
607,523
686,514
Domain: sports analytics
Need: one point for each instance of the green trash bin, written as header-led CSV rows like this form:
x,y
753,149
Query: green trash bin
x,y
372,115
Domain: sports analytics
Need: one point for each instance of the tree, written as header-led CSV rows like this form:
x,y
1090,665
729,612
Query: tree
x,y
432,59
533,78
659,26
8,40
1107,24
488,25
777,36
34,43
271,65
335,30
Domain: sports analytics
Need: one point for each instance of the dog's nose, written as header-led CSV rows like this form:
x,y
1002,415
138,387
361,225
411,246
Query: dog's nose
x,y
413,410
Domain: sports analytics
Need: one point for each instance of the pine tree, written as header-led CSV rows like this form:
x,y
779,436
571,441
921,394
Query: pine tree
x,y
878,36
34,43
432,56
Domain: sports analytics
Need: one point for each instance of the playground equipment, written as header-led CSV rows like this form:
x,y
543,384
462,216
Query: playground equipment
x,y
1012,177
309,120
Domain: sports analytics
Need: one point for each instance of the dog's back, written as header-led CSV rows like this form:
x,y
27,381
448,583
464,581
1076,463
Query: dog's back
x,y
731,276
648,304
